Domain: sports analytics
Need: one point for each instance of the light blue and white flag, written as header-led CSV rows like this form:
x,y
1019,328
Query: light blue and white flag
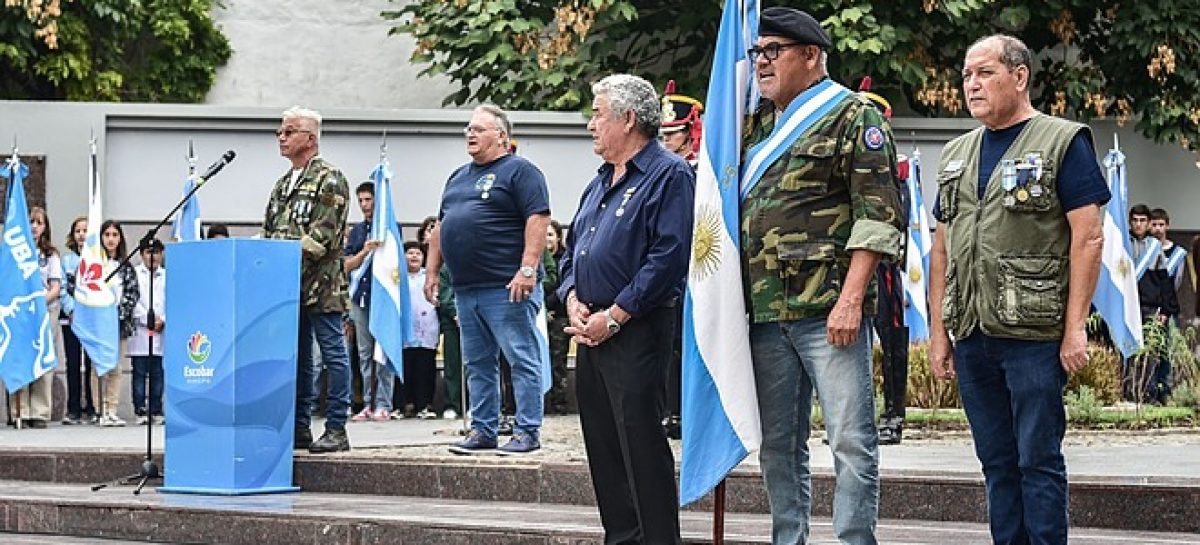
x,y
187,221
1116,296
26,334
719,406
391,309
543,340
916,274
95,318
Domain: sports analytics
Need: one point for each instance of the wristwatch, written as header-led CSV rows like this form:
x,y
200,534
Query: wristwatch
x,y
527,271
613,325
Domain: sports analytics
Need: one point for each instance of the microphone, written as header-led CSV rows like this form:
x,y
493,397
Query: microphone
x,y
216,167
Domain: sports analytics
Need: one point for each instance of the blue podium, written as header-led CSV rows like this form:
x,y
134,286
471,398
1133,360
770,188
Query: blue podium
x,y
229,358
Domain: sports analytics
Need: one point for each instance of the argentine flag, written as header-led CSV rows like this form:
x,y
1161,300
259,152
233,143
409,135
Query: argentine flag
x,y
95,318
26,338
391,310
543,340
916,267
187,221
720,408
1116,296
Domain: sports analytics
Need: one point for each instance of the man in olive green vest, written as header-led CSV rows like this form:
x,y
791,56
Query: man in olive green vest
x,y
820,208
1014,264
309,204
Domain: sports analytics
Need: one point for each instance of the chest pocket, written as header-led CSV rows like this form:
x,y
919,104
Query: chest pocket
x,y
810,272
948,182
1030,290
810,166
302,205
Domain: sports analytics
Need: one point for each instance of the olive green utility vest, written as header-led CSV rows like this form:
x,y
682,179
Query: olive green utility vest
x,y
1007,270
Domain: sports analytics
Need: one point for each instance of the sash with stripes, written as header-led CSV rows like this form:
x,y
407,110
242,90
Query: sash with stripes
x,y
1153,249
800,116
1176,259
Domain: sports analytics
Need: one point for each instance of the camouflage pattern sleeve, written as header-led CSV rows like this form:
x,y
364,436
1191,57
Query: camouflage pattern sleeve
x,y
328,220
875,205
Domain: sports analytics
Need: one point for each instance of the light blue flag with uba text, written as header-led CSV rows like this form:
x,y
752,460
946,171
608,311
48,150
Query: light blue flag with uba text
x,y
26,338
719,407
1116,296
391,309
95,318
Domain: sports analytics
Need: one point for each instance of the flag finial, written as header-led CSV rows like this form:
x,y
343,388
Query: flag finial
x,y
383,146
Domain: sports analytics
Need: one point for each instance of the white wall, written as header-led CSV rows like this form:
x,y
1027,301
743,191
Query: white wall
x,y
320,53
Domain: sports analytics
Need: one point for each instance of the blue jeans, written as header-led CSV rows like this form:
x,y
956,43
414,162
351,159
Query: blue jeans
x,y
152,366
490,324
379,395
1012,392
326,328
791,361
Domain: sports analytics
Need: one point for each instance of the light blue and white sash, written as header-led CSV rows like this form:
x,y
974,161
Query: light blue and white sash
x,y
804,111
1149,255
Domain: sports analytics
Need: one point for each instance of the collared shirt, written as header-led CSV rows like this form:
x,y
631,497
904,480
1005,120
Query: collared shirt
x,y
628,243
354,244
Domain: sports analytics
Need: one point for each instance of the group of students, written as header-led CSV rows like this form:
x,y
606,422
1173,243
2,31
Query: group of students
x,y
1159,265
93,399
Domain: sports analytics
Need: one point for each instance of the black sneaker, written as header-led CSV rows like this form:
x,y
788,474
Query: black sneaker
x,y
72,420
506,426
333,440
303,438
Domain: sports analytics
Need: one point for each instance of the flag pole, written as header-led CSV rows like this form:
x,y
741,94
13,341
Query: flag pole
x,y
14,162
719,513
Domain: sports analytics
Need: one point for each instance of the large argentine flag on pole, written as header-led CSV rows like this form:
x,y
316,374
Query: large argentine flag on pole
x,y
916,277
391,310
95,318
26,338
720,409
1116,294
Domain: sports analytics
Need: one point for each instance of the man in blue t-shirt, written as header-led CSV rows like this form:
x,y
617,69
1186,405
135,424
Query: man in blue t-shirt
x,y
1013,267
491,233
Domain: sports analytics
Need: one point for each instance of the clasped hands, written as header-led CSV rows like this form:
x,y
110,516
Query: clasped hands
x,y
587,328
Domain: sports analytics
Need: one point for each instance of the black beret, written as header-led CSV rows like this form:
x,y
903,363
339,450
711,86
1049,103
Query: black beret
x,y
792,23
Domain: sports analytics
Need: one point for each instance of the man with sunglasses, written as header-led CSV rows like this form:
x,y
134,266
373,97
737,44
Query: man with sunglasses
x,y
309,203
820,208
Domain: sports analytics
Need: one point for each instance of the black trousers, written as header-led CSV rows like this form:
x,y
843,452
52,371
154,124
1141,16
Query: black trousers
x,y
620,386
420,377
79,372
894,341
675,368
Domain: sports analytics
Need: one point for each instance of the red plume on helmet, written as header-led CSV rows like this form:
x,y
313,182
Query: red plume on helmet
x,y
680,112
884,106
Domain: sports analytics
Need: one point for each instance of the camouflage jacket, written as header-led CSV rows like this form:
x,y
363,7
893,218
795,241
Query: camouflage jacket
x,y
314,212
834,190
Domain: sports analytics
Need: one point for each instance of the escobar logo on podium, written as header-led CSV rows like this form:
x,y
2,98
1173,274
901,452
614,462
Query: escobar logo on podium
x,y
230,366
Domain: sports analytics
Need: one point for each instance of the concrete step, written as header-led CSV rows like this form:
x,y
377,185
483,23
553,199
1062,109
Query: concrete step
x,y
57,510
1123,503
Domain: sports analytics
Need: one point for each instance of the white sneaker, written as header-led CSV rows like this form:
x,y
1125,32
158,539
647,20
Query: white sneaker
x,y
159,420
427,414
117,421
449,414
143,420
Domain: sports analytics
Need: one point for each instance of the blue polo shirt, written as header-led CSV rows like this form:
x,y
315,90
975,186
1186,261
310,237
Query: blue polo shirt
x,y
629,243
483,214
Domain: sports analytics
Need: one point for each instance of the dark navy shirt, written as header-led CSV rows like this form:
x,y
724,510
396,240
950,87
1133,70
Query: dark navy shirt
x,y
629,243
354,244
1080,181
483,214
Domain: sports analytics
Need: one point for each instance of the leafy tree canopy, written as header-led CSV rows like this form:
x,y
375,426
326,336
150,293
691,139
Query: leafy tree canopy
x,y
1097,58
109,50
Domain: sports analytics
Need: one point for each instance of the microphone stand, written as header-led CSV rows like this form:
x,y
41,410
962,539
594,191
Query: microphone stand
x,y
149,469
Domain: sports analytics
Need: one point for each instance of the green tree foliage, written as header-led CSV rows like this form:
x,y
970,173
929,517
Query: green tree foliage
x,y
109,50
1097,58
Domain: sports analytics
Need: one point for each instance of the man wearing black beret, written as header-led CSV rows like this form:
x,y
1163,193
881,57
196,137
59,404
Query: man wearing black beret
x,y
820,208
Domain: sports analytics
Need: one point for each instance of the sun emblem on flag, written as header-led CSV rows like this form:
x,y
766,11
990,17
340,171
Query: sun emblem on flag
x,y
396,276
706,242
1123,267
914,274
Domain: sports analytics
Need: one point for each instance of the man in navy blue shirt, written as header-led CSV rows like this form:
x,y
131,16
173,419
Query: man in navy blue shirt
x,y
378,380
491,233
627,254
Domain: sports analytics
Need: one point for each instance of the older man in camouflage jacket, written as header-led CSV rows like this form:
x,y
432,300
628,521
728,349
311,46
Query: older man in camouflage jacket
x,y
821,206
309,204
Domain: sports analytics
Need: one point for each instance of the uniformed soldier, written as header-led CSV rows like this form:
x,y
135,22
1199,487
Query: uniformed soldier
x,y
1013,267
309,204
821,208
680,133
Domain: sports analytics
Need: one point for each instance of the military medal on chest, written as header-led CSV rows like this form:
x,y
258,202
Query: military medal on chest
x,y
625,200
